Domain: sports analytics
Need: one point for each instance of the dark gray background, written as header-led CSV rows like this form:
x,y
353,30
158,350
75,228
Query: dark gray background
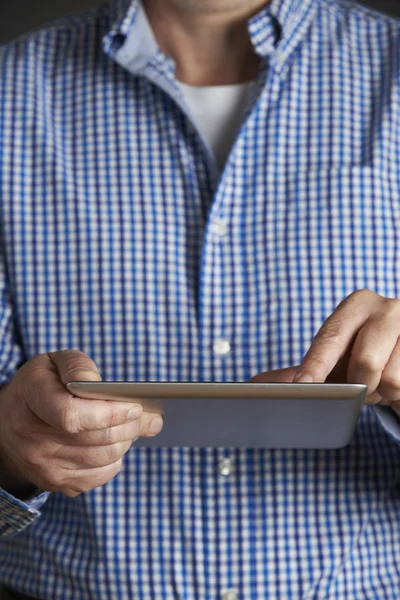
x,y
19,16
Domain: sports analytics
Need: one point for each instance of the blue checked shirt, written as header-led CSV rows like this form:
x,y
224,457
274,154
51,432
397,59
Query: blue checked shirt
x,y
111,206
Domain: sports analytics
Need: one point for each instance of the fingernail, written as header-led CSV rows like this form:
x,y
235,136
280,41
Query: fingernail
x,y
134,413
303,378
155,425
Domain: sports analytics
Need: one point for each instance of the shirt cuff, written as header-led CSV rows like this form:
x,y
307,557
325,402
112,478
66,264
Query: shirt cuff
x,y
16,515
389,420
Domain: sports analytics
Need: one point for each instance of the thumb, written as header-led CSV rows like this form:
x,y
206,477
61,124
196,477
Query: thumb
x,y
276,376
74,365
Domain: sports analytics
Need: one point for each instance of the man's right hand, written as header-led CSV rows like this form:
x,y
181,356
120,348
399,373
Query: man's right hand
x,y
59,442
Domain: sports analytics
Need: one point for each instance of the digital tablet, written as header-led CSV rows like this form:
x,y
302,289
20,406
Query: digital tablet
x,y
249,415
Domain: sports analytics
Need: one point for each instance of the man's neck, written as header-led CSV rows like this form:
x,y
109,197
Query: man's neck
x,y
209,42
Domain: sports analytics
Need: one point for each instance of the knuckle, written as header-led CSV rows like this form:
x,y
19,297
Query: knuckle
x,y
55,480
362,292
393,384
118,466
368,362
110,436
318,362
73,488
111,416
70,493
332,331
125,446
108,473
80,488
34,457
113,453
115,435
392,307
69,419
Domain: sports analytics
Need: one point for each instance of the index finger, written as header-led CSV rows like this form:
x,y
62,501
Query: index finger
x,y
332,341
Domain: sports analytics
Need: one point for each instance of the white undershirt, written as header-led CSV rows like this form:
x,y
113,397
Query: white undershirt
x,y
217,110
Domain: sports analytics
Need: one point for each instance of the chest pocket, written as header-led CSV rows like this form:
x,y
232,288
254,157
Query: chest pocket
x,y
349,218
326,233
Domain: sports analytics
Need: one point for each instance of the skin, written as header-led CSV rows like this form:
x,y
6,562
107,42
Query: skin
x,y
55,441
208,39
358,343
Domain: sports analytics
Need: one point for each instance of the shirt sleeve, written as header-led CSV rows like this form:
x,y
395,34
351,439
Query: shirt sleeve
x,y
389,420
15,515
11,355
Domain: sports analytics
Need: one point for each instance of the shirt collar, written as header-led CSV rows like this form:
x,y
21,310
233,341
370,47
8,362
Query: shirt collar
x,y
130,41
279,24
275,23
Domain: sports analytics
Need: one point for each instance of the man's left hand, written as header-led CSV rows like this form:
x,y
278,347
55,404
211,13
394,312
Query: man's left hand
x,y
358,343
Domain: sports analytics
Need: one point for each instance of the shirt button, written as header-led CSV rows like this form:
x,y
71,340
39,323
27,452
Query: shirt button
x,y
230,595
221,347
220,227
225,466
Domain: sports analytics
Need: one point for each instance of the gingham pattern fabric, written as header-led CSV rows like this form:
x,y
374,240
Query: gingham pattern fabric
x,y
109,205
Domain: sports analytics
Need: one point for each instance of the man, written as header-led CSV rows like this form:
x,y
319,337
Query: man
x,y
198,191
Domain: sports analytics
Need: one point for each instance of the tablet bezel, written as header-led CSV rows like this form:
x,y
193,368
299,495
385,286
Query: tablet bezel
x,y
165,389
